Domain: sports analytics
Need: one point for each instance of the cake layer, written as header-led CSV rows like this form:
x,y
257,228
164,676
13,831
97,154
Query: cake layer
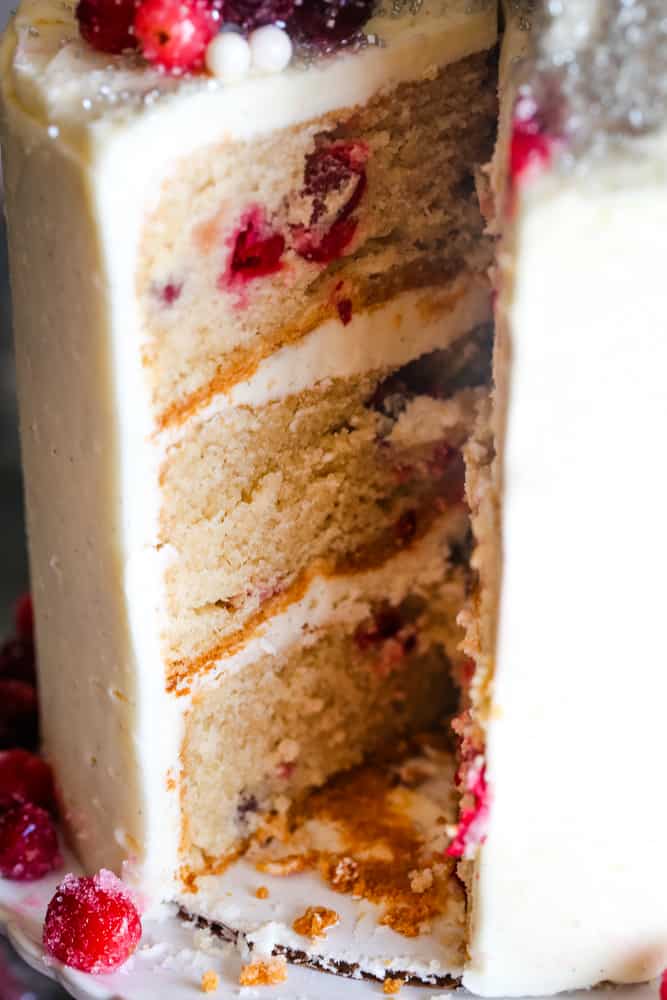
x,y
262,736
336,216
342,475
367,852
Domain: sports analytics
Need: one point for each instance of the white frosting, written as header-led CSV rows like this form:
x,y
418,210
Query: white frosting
x,y
571,885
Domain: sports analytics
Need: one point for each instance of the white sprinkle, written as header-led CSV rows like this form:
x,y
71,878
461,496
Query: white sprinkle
x,y
228,57
87,103
53,131
271,49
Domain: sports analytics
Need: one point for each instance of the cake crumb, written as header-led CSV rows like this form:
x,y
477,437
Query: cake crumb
x,y
268,973
209,982
262,892
344,874
315,922
392,986
420,881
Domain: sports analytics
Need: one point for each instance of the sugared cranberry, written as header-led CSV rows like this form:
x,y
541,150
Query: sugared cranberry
x,y
530,146
92,924
334,184
327,24
24,777
107,24
28,843
174,34
250,14
19,724
257,250
17,661
24,622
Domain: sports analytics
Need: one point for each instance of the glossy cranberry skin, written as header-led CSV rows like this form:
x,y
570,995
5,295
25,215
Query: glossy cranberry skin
x,y
251,14
19,721
328,24
25,777
107,24
24,620
17,661
28,843
92,923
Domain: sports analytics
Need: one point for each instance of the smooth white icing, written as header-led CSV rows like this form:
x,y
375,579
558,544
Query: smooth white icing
x,y
570,888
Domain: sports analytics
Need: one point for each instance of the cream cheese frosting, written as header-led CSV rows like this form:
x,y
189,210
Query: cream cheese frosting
x,y
569,888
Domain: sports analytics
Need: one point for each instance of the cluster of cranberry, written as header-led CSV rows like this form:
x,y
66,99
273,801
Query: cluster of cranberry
x,y
91,924
175,34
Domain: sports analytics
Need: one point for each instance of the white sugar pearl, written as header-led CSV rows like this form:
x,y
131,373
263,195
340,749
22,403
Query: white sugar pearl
x,y
271,49
228,56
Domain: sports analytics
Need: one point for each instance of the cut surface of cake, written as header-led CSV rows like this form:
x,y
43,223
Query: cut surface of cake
x,y
290,524
253,334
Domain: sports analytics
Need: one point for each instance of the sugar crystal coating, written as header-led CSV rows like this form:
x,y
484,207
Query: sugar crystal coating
x,y
598,71
92,923
174,34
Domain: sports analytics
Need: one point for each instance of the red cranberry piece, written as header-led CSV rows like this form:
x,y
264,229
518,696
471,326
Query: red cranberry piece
x,y
174,34
345,311
663,986
92,924
385,624
28,843
24,777
170,293
24,621
331,173
406,526
250,14
453,477
327,24
331,246
19,724
107,24
257,250
17,660
530,146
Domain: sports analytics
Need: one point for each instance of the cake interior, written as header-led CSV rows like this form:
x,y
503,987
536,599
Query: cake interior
x,y
333,513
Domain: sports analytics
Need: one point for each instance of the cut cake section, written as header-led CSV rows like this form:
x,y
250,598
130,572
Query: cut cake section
x,y
298,526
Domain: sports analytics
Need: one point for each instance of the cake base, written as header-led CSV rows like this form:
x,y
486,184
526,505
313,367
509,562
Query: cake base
x,y
365,856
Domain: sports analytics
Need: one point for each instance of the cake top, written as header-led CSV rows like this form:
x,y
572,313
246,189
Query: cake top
x,y
597,72
57,75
